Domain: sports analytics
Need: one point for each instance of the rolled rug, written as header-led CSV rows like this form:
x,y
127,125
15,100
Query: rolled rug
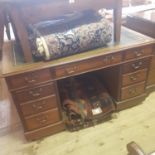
x,y
76,40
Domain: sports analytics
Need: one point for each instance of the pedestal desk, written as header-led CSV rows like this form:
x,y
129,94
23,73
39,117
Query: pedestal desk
x,y
33,86
144,22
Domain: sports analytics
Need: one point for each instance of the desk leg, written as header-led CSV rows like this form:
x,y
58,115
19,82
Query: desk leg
x,y
117,14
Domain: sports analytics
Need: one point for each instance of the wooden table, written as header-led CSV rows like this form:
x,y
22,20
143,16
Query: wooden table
x,y
124,68
143,22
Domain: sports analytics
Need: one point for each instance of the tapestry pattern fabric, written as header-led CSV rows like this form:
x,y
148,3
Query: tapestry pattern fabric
x,y
73,41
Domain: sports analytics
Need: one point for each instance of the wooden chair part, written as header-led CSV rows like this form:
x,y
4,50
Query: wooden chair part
x,y
30,12
135,149
1,30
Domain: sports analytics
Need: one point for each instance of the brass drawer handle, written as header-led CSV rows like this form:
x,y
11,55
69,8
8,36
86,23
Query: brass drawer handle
x,y
30,80
139,53
42,120
71,70
36,93
137,65
39,107
109,58
133,77
132,91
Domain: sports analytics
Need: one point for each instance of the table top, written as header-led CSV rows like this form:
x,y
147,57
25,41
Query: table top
x,y
12,65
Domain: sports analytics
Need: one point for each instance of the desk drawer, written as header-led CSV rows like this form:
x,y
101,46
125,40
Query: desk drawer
x,y
43,119
45,131
138,52
132,91
39,106
134,77
152,66
151,77
75,68
29,79
136,65
34,93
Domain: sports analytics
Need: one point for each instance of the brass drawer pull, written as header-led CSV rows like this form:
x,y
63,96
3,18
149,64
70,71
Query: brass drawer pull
x,y
42,120
38,107
132,91
139,53
137,65
30,80
71,70
36,93
109,58
133,77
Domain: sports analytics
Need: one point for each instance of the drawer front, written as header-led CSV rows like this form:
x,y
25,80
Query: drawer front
x,y
39,106
134,77
76,68
132,91
42,119
136,65
45,131
33,94
152,66
29,79
151,77
138,52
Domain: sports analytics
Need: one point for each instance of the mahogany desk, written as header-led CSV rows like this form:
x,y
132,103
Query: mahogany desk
x,y
33,86
144,22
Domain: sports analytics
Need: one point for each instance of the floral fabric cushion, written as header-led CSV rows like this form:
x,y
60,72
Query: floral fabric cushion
x,y
79,39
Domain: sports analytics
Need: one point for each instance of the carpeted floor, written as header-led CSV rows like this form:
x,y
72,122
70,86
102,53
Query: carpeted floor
x,y
109,138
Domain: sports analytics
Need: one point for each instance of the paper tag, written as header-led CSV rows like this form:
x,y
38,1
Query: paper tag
x,y
97,111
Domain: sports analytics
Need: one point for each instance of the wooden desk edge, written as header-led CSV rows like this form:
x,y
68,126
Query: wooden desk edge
x,y
8,69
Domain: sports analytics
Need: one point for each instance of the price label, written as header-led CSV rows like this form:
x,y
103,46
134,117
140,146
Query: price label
x,y
97,111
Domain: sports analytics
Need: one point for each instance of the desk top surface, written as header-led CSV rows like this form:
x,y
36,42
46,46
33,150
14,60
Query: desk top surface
x,y
10,65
